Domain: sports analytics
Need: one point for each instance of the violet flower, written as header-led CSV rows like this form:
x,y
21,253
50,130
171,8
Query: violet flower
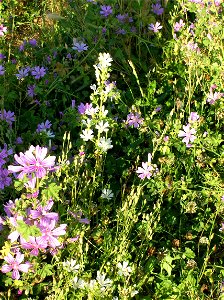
x,y
134,119
106,10
43,126
42,212
157,9
31,91
2,70
80,46
7,116
5,180
38,72
14,265
22,73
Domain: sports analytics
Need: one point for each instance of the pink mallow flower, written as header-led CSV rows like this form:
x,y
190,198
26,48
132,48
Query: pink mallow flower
x,y
34,245
42,212
50,233
14,265
188,135
33,161
147,170
134,119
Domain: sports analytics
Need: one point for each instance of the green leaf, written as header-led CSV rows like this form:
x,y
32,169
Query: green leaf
x,y
52,191
46,270
26,230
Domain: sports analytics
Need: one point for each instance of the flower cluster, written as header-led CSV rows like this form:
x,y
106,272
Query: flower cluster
x,y
45,236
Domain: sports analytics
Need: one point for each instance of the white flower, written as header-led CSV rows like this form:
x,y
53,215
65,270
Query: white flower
x,y
107,194
105,144
124,270
78,283
133,293
104,283
93,87
71,265
87,135
91,285
87,122
104,111
105,60
102,127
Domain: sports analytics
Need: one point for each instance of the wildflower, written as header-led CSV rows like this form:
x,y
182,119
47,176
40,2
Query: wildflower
x,y
22,73
134,119
147,169
78,283
80,46
107,194
73,103
87,135
121,31
124,269
213,97
2,70
103,282
178,25
42,212
105,60
33,42
124,18
3,30
22,46
31,90
43,126
77,216
4,179
33,161
191,264
14,265
7,116
50,233
104,144
155,27
102,127
193,117
2,56
157,9
33,244
106,10
71,266
188,135
38,72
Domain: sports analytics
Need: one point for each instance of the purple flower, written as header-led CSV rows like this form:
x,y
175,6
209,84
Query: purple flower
x,y
22,73
14,265
213,97
80,46
124,18
7,116
2,56
177,26
106,10
31,90
38,72
2,70
3,30
193,117
43,126
4,179
145,171
42,212
73,103
33,244
155,27
157,9
84,108
22,46
33,42
134,119
121,31
188,135
77,216
50,233
33,161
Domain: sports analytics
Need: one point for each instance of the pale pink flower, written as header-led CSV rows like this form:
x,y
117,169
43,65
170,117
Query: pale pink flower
x,y
14,265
